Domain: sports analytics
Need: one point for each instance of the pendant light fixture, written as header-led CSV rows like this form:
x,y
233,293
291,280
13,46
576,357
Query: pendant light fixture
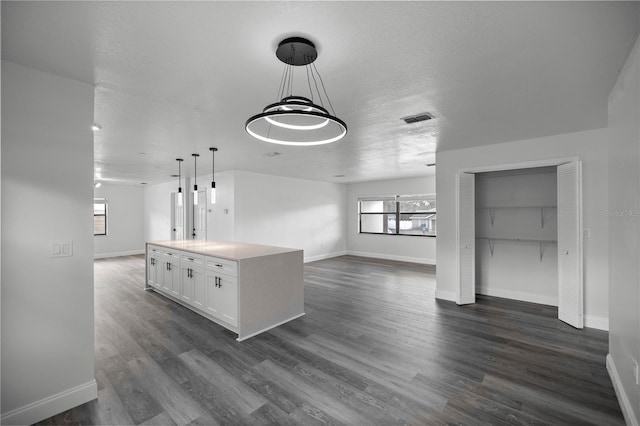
x,y
195,179
213,177
179,160
298,120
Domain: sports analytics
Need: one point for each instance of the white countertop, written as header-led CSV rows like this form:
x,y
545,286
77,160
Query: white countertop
x,y
224,249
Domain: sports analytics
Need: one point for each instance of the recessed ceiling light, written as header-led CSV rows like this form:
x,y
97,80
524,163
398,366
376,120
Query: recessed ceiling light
x,y
98,176
97,184
338,176
272,154
96,127
143,183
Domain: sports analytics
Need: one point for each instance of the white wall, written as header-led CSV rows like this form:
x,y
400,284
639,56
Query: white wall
x,y
47,191
262,209
591,147
221,215
125,230
624,231
290,212
537,278
396,247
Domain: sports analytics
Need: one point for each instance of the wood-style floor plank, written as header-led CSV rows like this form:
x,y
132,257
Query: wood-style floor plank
x,y
374,348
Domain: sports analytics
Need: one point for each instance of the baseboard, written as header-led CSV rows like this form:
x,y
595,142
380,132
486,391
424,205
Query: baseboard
x,y
518,295
446,295
324,256
625,404
600,323
118,254
52,405
392,257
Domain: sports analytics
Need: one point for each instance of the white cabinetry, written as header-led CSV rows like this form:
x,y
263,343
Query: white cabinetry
x,y
192,277
171,272
247,288
154,266
222,290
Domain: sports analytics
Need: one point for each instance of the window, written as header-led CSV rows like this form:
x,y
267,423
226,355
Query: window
x,y
99,216
398,215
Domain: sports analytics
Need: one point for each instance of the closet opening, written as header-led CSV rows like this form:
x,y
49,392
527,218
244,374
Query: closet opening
x,y
519,235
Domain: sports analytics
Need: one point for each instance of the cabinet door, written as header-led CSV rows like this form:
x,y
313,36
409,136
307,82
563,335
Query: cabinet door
x,y
171,278
212,304
199,292
222,297
187,285
154,271
228,289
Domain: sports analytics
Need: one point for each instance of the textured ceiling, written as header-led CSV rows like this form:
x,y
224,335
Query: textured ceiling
x,y
172,78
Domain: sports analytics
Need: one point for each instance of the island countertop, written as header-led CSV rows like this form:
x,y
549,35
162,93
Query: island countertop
x,y
224,249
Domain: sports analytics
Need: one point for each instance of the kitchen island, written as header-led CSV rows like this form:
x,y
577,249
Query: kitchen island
x,y
247,288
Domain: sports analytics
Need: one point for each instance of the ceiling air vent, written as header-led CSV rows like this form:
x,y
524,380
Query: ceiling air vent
x,y
418,117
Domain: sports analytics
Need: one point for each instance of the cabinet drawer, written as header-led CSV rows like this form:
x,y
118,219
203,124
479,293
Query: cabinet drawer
x,y
154,250
173,255
194,260
228,267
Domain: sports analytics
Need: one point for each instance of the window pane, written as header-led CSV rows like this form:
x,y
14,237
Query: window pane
x,y
99,225
418,206
418,224
99,208
378,223
377,206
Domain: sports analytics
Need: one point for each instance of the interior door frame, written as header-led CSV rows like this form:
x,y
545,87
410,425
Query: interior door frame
x,y
512,166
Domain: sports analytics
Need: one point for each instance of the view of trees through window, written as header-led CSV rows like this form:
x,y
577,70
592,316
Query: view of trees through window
x,y
398,215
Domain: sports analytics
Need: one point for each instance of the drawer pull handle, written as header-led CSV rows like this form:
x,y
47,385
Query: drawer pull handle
x,y
218,265
190,258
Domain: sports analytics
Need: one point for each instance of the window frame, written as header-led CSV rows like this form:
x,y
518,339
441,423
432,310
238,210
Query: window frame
x,y
105,215
397,213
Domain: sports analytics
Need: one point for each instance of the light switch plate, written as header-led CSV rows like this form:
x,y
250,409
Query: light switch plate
x,y
586,232
61,248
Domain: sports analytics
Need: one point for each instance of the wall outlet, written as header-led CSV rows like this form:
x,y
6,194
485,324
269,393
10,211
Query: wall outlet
x,y
61,248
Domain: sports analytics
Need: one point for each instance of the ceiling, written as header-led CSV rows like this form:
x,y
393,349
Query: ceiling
x,y
174,78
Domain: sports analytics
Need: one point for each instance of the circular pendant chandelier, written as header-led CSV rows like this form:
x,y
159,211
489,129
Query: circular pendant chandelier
x,y
298,120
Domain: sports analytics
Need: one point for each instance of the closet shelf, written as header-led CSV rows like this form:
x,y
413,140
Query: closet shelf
x,y
492,211
541,242
515,207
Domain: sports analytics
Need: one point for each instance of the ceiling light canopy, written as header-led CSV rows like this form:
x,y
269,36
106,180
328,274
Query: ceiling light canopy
x,y
298,120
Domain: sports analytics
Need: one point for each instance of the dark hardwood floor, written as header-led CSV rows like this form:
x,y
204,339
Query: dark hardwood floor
x,y
375,348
